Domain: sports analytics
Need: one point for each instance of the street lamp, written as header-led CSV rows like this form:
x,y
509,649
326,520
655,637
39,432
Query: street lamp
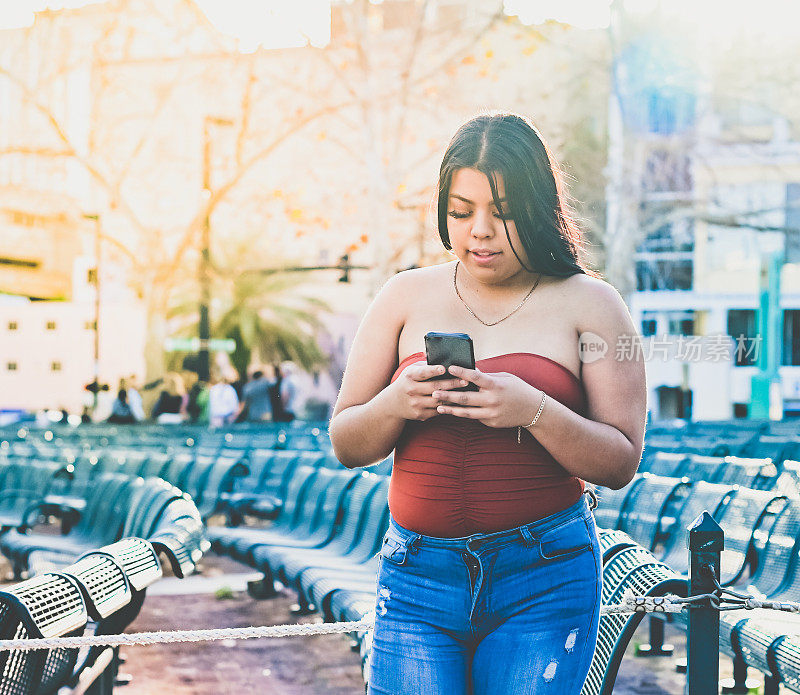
x,y
96,278
204,325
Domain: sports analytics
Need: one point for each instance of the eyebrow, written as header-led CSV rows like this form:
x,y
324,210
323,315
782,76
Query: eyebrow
x,y
469,202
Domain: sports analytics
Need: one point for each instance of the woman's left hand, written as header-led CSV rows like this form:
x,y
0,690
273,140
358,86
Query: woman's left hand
x,y
504,400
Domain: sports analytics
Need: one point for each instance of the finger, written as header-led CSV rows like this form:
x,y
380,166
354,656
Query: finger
x,y
468,413
465,398
445,385
427,414
480,379
420,371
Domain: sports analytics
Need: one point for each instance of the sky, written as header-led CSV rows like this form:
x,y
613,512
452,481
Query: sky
x,y
289,20
283,23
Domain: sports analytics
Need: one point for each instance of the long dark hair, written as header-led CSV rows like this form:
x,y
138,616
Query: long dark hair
x,y
507,145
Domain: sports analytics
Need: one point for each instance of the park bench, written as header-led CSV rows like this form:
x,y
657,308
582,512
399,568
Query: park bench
x,y
286,560
181,537
297,516
765,445
328,517
611,502
754,639
98,523
208,482
297,509
649,512
23,486
264,490
50,605
702,496
325,574
631,569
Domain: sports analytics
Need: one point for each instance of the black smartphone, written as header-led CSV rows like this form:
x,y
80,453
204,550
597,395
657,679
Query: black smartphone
x,y
451,349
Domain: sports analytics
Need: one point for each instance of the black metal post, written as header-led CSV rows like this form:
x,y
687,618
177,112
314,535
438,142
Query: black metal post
x,y
204,325
96,276
706,542
656,645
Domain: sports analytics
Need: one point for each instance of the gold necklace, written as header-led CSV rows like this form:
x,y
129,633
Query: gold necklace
x,y
492,323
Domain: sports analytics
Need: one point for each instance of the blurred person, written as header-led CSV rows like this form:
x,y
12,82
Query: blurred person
x,y
289,391
276,394
223,403
238,381
197,402
171,404
130,384
257,404
121,412
203,401
86,415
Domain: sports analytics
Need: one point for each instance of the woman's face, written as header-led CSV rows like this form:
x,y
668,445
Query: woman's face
x,y
476,230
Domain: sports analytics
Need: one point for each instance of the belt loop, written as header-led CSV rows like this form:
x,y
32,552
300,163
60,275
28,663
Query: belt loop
x,y
413,549
592,498
527,536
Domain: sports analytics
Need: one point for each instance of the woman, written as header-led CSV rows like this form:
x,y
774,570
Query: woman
x,y
489,578
121,412
223,402
170,408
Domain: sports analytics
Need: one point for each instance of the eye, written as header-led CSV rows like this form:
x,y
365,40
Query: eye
x,y
502,215
455,214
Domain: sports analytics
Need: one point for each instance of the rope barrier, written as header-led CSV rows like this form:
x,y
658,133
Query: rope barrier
x,y
145,638
629,604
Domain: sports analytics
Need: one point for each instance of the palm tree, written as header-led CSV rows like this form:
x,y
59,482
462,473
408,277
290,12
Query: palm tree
x,y
266,317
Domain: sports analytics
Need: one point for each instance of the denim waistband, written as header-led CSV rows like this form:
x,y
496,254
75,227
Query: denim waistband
x,y
527,532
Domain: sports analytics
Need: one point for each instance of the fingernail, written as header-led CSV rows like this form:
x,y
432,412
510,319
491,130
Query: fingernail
x,y
464,383
440,409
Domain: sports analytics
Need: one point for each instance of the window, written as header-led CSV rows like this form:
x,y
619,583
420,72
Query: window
x,y
55,366
791,337
668,238
663,275
742,326
649,323
667,171
51,325
793,222
11,366
680,323
12,326
648,327
740,410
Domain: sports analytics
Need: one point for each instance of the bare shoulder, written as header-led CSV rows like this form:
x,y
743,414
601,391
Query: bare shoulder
x,y
594,301
416,282
584,287
428,275
401,292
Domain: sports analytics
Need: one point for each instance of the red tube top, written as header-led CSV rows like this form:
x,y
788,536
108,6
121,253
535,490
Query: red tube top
x,y
454,477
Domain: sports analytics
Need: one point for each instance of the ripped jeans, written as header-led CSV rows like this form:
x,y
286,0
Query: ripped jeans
x,y
509,612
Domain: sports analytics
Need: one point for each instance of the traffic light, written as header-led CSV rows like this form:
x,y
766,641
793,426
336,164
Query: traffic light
x,y
94,387
344,264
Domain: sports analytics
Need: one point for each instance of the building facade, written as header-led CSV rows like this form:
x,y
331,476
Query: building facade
x,y
709,189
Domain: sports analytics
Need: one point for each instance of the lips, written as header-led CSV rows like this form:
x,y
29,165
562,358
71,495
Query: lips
x,y
484,253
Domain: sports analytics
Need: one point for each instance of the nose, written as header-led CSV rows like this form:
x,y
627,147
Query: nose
x,y
482,227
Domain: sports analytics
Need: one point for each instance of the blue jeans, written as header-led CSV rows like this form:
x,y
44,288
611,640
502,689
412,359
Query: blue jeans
x,y
509,612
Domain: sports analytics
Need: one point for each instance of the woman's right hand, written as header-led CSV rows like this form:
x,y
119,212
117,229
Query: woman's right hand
x,y
412,390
